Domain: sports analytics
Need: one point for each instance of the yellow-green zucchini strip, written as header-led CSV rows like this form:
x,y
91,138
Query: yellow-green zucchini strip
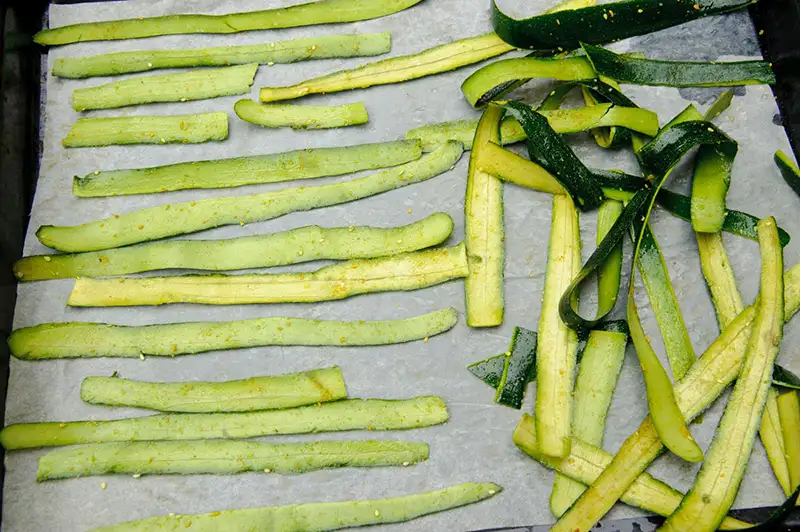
x,y
789,411
301,116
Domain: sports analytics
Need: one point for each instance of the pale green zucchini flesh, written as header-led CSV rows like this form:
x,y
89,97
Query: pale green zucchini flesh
x,y
88,340
182,129
182,87
301,116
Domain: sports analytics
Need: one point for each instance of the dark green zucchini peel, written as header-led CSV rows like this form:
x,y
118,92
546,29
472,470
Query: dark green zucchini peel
x,y
510,372
789,170
785,378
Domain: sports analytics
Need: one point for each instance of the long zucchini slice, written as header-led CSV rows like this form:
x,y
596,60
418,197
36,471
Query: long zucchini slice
x,y
182,87
594,387
320,516
409,271
324,47
351,414
702,384
88,340
434,60
561,120
718,481
586,462
637,71
485,231
789,171
603,23
311,13
246,395
557,347
301,116
789,411
189,217
294,246
222,457
250,170
183,129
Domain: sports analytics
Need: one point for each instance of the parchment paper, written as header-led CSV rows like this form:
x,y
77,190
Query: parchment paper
x,y
475,445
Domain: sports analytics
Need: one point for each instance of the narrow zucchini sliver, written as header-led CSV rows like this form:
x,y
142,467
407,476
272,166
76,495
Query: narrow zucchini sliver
x,y
249,170
351,414
609,274
408,271
182,87
188,217
789,411
719,277
84,339
184,129
557,347
597,377
717,483
321,515
323,47
434,60
485,232
586,462
561,120
301,116
772,437
245,395
310,13
223,457
702,384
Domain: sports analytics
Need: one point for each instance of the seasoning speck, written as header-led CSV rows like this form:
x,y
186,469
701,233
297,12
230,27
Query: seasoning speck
x,y
103,485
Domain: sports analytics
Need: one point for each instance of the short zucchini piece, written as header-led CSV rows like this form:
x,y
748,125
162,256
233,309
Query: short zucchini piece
x,y
789,171
88,340
294,246
519,369
557,347
320,516
409,271
324,47
485,231
301,116
183,129
227,173
637,71
491,370
719,478
586,462
594,387
189,217
351,414
246,395
789,411
223,457
434,60
307,14
181,87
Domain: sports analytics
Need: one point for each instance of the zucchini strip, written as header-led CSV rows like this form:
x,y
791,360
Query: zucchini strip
x,y
321,515
702,384
184,129
181,87
294,246
518,370
189,217
638,71
436,60
227,173
772,437
789,411
594,387
719,277
301,116
88,340
561,120
557,347
789,171
717,483
351,414
223,457
602,23
610,272
586,462
311,13
245,395
324,47
612,137
408,271
655,277
484,231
